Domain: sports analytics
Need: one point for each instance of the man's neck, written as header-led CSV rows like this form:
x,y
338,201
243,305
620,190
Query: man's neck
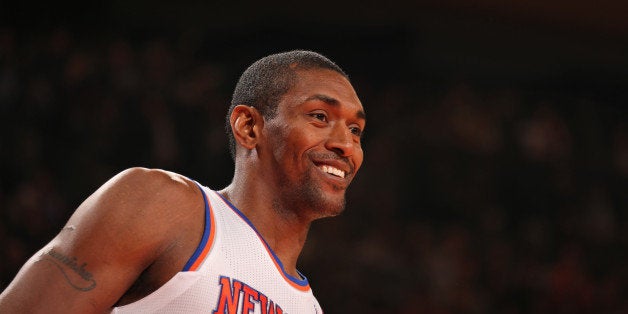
x,y
284,231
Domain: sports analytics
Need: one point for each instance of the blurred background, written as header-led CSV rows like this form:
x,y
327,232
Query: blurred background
x,y
496,150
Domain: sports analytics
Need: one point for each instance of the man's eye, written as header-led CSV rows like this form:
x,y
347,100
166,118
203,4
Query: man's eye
x,y
356,131
319,116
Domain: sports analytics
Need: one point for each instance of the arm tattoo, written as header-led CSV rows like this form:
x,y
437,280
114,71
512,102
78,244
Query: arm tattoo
x,y
65,263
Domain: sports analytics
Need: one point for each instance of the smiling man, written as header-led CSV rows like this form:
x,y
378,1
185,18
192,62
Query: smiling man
x,y
155,241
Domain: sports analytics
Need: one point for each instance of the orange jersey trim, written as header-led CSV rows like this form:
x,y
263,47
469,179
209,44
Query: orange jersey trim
x,y
208,237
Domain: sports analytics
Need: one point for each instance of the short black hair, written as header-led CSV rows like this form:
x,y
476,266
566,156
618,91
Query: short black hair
x,y
263,83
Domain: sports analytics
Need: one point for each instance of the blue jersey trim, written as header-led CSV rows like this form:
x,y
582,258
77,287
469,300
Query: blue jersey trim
x,y
206,232
301,282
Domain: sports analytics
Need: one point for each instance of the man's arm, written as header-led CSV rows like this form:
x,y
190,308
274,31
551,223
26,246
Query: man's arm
x,y
108,242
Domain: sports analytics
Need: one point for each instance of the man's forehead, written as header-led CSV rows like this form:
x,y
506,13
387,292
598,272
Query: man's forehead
x,y
323,81
332,75
325,85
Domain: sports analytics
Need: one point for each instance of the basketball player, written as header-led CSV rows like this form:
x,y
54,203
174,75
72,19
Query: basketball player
x,y
155,241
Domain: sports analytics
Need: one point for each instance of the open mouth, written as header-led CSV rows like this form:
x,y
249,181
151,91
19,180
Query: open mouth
x,y
332,170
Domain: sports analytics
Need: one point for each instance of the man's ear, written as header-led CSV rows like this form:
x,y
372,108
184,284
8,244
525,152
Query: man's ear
x,y
246,123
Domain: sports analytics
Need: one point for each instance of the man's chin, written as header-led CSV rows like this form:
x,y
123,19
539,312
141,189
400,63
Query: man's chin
x,y
317,199
330,206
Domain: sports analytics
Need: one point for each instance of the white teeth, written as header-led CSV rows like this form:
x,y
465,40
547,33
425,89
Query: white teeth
x,y
332,170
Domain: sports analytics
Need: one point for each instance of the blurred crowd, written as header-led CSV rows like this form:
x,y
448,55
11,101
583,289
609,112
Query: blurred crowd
x,y
473,198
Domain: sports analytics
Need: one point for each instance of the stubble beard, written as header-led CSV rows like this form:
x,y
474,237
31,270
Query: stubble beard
x,y
306,199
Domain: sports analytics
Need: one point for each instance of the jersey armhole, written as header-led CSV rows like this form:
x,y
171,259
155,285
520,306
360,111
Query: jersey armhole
x,y
208,236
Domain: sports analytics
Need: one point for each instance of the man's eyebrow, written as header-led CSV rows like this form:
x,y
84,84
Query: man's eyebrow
x,y
361,115
324,98
334,103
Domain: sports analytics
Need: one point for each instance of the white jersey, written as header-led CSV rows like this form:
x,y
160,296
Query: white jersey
x,y
233,270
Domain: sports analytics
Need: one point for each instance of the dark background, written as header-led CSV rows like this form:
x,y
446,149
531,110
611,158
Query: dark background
x,y
496,146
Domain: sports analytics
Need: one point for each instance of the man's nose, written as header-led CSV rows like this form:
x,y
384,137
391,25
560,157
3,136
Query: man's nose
x,y
341,140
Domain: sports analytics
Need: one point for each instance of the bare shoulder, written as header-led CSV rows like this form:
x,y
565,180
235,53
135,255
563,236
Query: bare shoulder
x,y
155,184
138,193
147,203
138,219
